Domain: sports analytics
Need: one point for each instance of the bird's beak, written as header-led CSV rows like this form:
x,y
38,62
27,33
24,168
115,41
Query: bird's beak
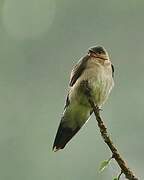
x,y
97,55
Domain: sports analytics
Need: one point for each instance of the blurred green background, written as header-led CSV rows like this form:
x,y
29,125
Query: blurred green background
x,y
40,41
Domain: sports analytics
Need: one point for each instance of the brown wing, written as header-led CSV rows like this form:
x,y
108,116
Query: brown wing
x,y
78,70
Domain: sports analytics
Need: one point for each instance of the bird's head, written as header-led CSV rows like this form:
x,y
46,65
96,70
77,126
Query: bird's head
x,y
98,52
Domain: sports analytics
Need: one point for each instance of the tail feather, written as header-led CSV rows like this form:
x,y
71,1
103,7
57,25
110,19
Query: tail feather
x,y
63,136
74,117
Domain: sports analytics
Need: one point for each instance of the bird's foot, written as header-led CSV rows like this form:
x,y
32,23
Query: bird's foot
x,y
98,108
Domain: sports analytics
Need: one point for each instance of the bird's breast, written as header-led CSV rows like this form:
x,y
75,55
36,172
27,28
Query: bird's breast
x,y
100,81
101,84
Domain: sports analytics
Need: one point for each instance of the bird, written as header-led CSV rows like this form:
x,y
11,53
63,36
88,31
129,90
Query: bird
x,y
96,68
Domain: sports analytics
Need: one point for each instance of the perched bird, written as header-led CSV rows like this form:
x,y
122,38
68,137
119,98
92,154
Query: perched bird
x,y
95,68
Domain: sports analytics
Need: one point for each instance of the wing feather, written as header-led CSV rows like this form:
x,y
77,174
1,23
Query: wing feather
x,y
78,70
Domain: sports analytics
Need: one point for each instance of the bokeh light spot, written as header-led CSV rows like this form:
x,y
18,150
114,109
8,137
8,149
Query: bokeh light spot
x,y
28,18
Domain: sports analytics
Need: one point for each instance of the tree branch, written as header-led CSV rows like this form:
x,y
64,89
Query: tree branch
x,y
115,154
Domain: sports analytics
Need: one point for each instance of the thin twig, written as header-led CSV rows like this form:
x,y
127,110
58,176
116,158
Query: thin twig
x,y
120,175
115,154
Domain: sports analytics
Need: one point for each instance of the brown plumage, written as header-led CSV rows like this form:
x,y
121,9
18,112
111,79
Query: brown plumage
x,y
97,69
